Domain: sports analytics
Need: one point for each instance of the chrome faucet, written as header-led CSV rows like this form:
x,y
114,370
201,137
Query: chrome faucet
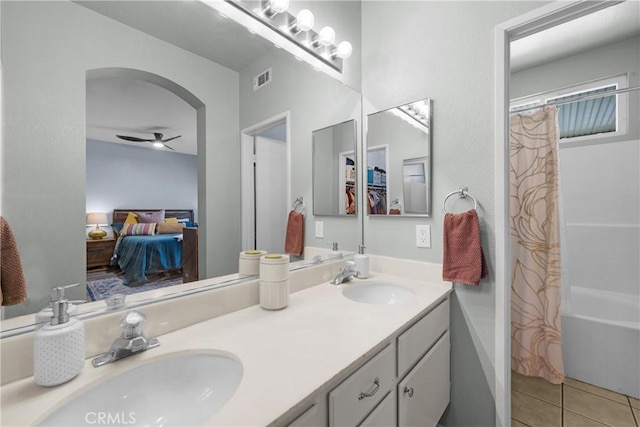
x,y
131,341
347,273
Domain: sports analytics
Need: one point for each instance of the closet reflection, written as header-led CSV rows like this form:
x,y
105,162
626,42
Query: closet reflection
x,y
398,160
334,170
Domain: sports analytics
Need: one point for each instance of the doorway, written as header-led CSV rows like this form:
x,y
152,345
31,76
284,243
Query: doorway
x,y
531,23
265,184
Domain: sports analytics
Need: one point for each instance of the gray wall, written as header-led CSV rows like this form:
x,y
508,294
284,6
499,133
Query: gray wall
x,y
121,176
315,102
46,52
444,50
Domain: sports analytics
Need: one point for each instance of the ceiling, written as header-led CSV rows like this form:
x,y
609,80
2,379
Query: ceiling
x,y
135,108
607,26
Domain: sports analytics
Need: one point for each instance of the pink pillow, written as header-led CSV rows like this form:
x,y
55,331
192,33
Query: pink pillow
x,y
154,216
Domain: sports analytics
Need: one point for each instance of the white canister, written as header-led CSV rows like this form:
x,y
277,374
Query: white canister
x,y
249,263
274,295
274,267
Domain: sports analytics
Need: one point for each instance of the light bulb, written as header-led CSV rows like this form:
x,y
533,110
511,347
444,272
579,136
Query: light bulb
x,y
326,36
279,6
344,50
158,144
304,20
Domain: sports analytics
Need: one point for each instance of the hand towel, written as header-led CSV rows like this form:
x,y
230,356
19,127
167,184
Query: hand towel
x,y
294,240
13,289
463,260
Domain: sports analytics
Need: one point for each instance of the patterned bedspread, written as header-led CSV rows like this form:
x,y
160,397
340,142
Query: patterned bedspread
x,y
138,256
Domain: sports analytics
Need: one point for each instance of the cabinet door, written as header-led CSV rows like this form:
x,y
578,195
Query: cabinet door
x,y
423,394
385,414
315,416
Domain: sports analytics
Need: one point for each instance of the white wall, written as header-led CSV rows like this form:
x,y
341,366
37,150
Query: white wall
x,y
444,50
121,176
46,52
315,102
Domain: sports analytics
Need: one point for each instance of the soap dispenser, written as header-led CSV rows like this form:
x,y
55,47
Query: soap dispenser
x,y
58,347
362,263
334,252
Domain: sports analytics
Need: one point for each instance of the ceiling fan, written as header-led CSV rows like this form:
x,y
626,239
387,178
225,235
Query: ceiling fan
x,y
157,141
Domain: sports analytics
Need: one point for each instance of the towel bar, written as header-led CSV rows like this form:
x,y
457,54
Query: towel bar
x,y
299,203
462,193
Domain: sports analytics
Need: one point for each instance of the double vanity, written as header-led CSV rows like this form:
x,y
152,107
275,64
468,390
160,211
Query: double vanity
x,y
367,352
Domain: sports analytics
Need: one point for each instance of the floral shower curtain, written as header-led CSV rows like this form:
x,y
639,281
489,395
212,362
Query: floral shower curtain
x,y
536,340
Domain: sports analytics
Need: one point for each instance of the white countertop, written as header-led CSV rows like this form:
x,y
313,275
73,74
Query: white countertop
x,y
286,355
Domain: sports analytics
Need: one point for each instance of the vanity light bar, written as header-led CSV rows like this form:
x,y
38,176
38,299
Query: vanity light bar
x,y
297,29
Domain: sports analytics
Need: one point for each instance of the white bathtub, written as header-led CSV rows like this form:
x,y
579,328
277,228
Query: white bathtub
x,y
601,339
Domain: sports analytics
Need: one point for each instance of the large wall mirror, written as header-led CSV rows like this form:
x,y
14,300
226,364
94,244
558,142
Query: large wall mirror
x,y
398,161
334,170
49,174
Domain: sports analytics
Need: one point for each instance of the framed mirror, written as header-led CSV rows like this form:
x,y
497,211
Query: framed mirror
x,y
334,170
215,82
398,161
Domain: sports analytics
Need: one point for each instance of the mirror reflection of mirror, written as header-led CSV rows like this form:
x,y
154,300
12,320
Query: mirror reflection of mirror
x,y
98,36
334,170
398,155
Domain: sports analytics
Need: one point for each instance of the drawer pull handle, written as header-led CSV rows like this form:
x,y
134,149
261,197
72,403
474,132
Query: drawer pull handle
x,y
408,390
374,389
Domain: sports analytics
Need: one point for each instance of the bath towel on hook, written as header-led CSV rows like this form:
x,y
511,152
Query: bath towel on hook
x,y
294,240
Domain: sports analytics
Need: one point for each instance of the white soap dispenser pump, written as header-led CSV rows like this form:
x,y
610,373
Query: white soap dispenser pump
x,y
58,347
335,252
362,263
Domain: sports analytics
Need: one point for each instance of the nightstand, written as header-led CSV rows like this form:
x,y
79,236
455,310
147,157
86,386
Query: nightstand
x,y
99,253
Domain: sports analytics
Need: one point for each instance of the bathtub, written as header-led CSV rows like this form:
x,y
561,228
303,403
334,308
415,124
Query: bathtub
x,y
601,339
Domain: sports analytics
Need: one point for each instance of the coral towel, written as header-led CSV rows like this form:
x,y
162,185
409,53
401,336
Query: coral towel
x,y
463,258
295,234
13,288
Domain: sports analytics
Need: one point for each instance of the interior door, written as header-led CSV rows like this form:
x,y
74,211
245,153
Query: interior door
x,y
270,194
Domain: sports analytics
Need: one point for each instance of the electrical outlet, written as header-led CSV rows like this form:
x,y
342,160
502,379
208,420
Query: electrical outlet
x,y
423,236
319,229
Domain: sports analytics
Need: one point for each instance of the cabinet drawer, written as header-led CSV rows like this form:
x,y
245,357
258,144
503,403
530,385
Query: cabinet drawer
x,y
420,337
385,414
356,396
424,393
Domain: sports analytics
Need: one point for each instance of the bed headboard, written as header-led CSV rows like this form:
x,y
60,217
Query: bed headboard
x,y
119,215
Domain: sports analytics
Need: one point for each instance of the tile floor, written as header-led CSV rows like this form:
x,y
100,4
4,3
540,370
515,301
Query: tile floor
x,y
535,402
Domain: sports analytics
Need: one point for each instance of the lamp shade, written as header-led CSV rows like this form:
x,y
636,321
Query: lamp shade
x,y
97,218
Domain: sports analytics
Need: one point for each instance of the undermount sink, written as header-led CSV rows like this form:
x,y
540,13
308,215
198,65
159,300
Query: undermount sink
x,y
182,389
377,293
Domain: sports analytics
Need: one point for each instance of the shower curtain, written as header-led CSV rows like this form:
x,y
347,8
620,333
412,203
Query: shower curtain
x,y
536,340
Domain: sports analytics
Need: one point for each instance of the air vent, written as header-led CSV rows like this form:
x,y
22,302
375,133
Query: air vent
x,y
262,79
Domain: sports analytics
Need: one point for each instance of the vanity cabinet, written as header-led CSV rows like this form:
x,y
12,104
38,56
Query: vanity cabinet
x,y
358,395
407,383
423,394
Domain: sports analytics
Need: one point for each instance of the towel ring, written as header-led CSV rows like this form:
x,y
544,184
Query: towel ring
x,y
462,193
299,203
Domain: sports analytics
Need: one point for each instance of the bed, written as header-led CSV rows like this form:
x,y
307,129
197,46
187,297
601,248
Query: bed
x,y
143,255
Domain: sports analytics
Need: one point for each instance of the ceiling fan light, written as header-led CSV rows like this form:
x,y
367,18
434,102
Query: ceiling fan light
x,y
158,144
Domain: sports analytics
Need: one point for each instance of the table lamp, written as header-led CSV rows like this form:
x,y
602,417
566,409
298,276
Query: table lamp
x,y
97,218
